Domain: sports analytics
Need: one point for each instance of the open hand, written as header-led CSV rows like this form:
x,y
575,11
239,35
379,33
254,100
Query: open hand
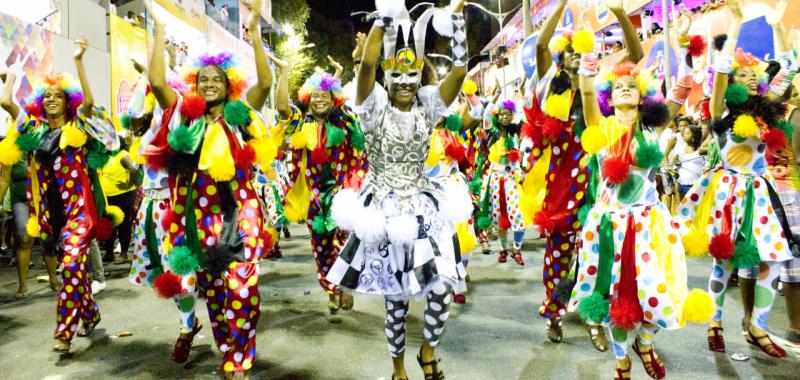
x,y
735,8
277,61
149,9
254,22
775,15
336,65
683,23
80,47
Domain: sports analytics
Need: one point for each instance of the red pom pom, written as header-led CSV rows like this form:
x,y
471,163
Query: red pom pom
x,y
504,223
280,155
193,107
35,109
456,151
532,132
512,155
157,162
167,285
721,247
705,109
774,138
552,127
103,229
246,156
545,221
616,170
625,313
319,155
168,219
697,46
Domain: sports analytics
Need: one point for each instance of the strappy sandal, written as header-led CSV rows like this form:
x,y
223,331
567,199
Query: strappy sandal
x,y
598,337
87,328
623,374
716,342
436,373
334,304
655,367
346,300
503,257
555,331
183,346
777,351
61,346
517,256
485,248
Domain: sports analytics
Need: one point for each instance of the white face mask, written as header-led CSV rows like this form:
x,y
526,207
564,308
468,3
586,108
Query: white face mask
x,y
396,77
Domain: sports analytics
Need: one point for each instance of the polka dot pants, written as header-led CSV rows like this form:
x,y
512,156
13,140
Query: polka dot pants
x,y
558,251
437,309
325,248
766,287
234,306
621,339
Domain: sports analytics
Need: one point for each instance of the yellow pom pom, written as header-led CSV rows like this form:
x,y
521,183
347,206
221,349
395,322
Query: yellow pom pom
x,y
745,126
643,80
134,151
583,41
115,214
298,140
9,151
696,243
558,44
149,103
72,136
593,139
222,170
265,152
32,227
558,106
469,87
698,307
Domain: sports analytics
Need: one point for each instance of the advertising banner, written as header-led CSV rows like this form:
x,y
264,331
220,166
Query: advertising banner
x,y
191,12
127,43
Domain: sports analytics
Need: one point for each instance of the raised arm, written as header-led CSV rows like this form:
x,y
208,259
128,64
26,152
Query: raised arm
x,y
282,92
88,99
526,18
157,75
7,95
543,56
683,85
783,52
365,80
257,95
451,84
337,67
629,35
591,109
725,61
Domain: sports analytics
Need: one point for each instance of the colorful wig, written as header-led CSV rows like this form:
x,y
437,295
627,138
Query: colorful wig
x,y
227,62
647,84
72,92
505,105
322,82
742,59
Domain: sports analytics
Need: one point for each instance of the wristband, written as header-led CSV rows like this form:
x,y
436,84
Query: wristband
x,y
723,64
459,41
589,66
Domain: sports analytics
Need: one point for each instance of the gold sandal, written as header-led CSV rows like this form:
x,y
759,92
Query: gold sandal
x,y
346,300
334,304
555,331
598,336
61,346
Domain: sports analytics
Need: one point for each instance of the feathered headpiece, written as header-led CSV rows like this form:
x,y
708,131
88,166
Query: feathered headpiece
x,y
646,82
322,82
72,92
227,62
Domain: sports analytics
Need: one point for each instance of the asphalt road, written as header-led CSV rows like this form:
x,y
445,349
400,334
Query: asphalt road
x,y
496,335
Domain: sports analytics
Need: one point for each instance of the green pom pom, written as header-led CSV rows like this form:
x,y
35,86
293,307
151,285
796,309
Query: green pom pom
x,y
357,139
787,128
320,224
453,123
97,160
475,186
484,222
335,135
236,114
736,95
125,121
182,261
28,142
154,273
593,308
746,255
182,139
649,155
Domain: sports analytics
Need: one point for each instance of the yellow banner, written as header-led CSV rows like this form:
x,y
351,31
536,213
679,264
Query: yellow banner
x,y
192,12
127,42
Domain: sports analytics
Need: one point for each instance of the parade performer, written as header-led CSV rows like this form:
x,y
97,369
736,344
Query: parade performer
x,y
209,140
554,114
64,139
327,155
632,269
501,190
403,242
730,213
272,185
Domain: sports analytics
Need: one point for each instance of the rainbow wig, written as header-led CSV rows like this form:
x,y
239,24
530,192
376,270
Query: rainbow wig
x,y
227,62
72,92
505,104
322,82
742,59
647,84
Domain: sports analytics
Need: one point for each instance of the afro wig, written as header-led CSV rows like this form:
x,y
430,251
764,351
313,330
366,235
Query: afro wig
x,y
72,94
322,82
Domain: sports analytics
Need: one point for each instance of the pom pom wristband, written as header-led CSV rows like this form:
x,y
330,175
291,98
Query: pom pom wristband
x,y
723,64
589,66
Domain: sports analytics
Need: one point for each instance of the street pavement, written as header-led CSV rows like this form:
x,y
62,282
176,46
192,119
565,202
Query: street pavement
x,y
496,335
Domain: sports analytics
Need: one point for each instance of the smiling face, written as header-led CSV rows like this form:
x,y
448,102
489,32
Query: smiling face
x,y
504,117
747,77
625,92
403,85
212,85
321,102
54,102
